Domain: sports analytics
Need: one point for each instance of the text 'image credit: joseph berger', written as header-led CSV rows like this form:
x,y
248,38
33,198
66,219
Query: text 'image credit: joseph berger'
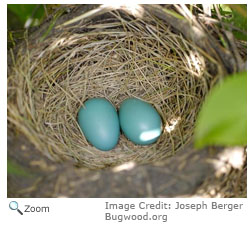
x,y
177,205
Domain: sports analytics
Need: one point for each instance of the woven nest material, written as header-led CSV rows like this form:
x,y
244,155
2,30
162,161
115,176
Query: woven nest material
x,y
115,56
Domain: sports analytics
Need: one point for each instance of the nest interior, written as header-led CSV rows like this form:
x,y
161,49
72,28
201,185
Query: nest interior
x,y
116,57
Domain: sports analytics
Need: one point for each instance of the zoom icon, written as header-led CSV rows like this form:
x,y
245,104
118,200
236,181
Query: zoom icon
x,y
14,206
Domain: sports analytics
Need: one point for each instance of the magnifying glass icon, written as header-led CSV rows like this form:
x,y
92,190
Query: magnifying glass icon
x,y
14,206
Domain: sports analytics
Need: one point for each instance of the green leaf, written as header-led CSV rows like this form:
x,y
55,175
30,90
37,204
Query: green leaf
x,y
24,12
238,18
224,9
239,9
222,119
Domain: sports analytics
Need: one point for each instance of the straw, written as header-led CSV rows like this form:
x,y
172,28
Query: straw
x,y
116,58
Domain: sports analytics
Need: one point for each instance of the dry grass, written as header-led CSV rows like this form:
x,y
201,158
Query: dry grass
x,y
118,57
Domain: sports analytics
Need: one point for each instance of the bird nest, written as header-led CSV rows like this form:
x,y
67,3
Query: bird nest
x,y
115,55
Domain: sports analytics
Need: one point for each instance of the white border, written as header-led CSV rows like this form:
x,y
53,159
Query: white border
x,y
91,211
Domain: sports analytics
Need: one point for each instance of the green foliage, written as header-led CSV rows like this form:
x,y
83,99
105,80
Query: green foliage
x,y
236,14
223,117
22,16
240,21
225,9
25,12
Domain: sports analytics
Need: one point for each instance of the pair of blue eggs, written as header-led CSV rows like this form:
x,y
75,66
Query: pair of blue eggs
x,y
100,123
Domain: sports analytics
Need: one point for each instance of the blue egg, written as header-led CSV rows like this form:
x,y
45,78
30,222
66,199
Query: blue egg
x,y
140,122
99,123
